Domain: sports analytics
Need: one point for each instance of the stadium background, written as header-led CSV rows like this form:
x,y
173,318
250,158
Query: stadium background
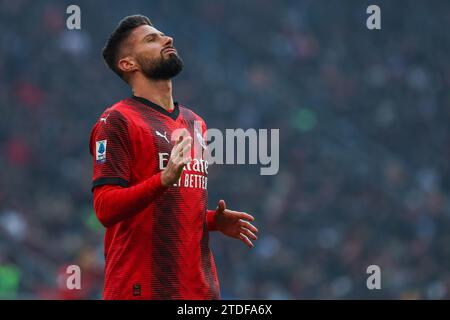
x,y
364,141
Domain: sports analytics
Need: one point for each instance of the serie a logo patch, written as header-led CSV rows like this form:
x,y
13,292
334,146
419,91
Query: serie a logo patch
x,y
100,151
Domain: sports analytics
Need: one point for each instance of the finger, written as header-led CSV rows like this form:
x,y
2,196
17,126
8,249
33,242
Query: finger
x,y
184,141
186,160
180,138
184,155
187,141
175,151
179,134
221,207
249,226
241,215
246,216
182,162
249,234
246,240
179,161
181,145
186,150
176,159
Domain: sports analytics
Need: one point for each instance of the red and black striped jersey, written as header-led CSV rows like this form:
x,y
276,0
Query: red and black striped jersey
x,y
157,248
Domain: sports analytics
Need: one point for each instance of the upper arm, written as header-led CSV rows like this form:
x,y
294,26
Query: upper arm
x,y
110,147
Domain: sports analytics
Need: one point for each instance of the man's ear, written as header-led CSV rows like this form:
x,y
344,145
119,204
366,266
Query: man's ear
x,y
127,64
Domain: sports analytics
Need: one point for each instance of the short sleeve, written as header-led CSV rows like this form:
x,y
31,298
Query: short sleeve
x,y
110,147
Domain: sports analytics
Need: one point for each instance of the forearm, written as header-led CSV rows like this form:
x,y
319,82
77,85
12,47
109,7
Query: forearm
x,y
113,204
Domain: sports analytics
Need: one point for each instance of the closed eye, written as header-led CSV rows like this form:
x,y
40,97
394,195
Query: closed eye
x,y
151,37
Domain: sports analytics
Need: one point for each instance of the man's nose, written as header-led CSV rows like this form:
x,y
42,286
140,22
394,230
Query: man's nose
x,y
168,41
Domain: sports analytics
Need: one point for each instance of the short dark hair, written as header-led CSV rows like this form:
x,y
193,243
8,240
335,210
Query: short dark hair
x,y
118,36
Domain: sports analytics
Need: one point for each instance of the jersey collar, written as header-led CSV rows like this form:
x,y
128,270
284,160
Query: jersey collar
x,y
173,115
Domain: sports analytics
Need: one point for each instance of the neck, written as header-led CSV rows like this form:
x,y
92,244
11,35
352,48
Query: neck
x,y
157,91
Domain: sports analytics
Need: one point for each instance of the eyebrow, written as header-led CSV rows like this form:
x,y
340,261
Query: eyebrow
x,y
153,34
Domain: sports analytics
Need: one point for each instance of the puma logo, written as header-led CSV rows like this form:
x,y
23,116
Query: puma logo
x,y
162,135
104,118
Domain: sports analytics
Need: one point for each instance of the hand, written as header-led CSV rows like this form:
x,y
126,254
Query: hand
x,y
179,157
235,224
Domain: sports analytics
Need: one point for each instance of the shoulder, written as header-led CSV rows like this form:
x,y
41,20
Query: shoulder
x,y
113,119
117,114
119,110
190,115
113,124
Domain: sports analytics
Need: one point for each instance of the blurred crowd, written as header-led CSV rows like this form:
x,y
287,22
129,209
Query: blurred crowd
x,y
364,141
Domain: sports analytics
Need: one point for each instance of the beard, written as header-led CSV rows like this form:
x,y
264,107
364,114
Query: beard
x,y
161,68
